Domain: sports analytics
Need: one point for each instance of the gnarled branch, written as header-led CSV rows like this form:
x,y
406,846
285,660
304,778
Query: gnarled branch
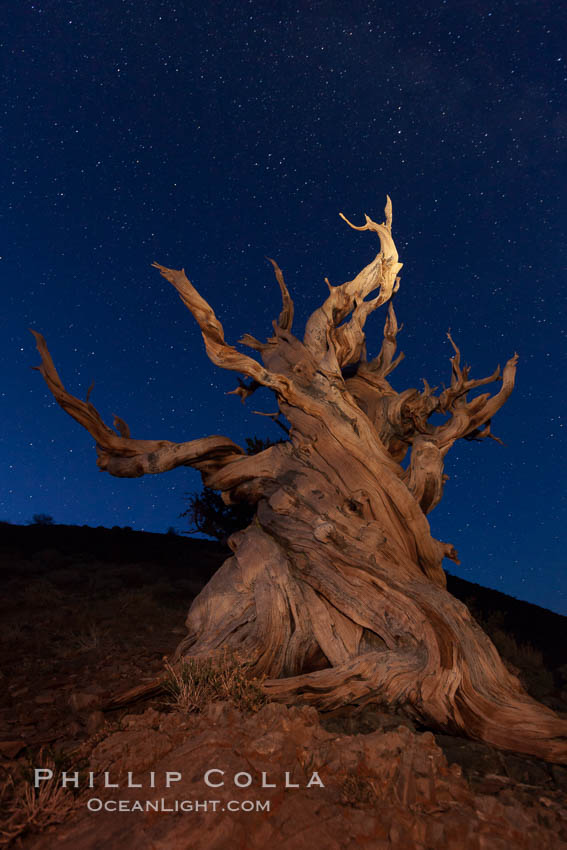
x,y
245,390
468,417
384,363
219,352
335,345
460,383
285,319
123,456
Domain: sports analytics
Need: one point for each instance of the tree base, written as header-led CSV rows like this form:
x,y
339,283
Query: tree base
x,y
329,632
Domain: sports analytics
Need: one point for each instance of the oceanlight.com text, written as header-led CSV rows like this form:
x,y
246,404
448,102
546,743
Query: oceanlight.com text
x,y
95,804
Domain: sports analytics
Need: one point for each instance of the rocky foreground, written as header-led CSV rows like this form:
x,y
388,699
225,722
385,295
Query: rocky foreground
x,y
89,613
391,788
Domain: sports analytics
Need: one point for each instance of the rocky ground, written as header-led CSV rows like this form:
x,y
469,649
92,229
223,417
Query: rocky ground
x,y
88,613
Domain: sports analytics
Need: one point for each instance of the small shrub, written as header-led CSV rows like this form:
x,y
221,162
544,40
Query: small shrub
x,y
196,682
208,514
42,519
534,675
522,655
526,661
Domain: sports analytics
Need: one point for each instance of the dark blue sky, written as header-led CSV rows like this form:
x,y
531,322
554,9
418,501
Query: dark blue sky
x,y
208,135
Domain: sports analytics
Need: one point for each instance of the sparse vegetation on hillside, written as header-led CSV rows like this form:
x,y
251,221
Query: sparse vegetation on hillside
x,y
521,657
42,519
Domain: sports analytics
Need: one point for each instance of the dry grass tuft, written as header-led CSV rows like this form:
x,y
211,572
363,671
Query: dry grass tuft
x,y
196,682
30,809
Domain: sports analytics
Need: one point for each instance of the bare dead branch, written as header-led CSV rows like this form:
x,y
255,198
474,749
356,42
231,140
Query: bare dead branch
x,y
481,433
83,411
245,390
460,383
384,363
285,319
275,417
468,417
219,352
251,342
121,426
121,455
324,330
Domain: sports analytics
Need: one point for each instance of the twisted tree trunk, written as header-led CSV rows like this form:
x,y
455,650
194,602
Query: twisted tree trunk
x,y
336,592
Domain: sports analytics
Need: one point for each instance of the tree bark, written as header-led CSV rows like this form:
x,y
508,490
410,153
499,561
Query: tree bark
x,y
336,592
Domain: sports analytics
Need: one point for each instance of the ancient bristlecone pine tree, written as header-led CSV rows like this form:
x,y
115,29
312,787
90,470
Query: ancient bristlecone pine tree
x,y
336,592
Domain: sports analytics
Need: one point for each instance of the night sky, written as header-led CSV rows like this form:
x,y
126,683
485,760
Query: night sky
x,y
209,135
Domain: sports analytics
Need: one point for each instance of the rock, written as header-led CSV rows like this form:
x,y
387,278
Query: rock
x,y
94,721
149,719
132,751
45,699
10,749
73,729
79,701
386,790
